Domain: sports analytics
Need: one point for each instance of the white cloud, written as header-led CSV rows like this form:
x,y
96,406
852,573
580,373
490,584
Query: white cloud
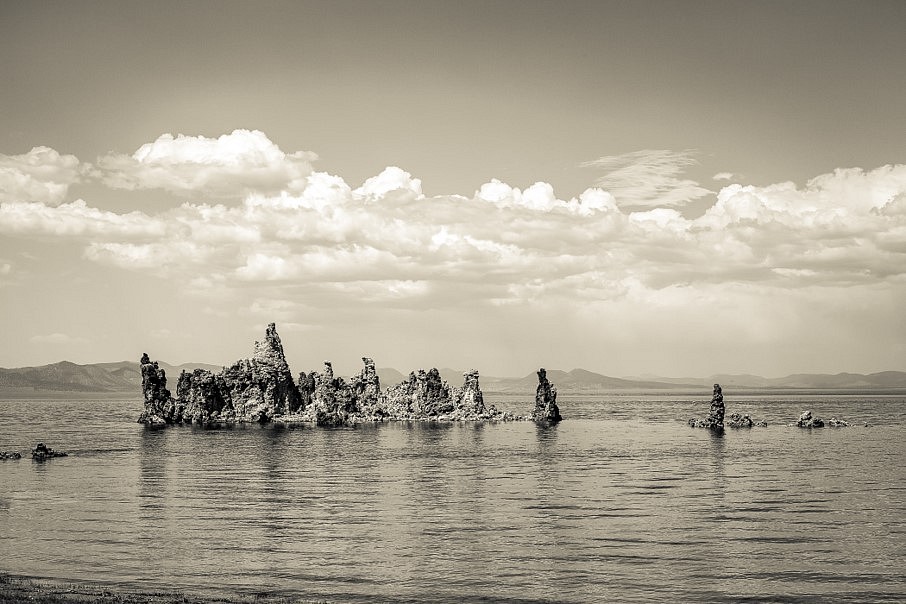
x,y
232,165
75,219
41,175
391,180
385,242
540,197
723,176
56,338
650,177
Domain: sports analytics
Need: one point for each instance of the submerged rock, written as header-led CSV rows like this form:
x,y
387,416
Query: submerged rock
x,y
42,452
10,455
546,409
715,419
807,421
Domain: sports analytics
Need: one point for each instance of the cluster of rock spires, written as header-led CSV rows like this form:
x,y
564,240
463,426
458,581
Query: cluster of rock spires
x,y
715,419
262,389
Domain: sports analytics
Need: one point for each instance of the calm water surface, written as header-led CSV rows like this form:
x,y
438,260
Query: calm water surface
x,y
620,502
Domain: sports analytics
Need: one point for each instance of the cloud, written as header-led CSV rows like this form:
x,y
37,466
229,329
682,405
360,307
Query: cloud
x,y
540,197
56,338
386,243
42,175
650,177
391,181
232,165
724,176
75,219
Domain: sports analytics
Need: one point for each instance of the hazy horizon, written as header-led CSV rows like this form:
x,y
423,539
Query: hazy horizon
x,y
674,189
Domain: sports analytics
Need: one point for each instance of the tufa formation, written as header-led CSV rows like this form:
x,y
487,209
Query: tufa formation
x,y
262,389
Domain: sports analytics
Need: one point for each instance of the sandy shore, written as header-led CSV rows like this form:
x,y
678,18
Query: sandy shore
x,y
17,589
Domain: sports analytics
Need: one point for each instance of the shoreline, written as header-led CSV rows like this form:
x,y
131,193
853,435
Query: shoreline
x,y
22,588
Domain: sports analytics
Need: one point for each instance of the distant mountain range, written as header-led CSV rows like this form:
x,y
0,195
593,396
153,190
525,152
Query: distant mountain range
x,y
125,377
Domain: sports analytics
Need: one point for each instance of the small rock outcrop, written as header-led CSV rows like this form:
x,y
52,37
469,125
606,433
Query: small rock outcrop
x,y
715,419
837,423
10,455
546,410
744,421
807,421
739,421
42,452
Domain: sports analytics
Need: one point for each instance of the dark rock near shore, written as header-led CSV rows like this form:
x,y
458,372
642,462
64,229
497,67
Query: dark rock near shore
x,y
546,409
42,452
10,455
807,421
715,419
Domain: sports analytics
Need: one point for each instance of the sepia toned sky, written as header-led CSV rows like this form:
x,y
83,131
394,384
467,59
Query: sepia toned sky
x,y
672,188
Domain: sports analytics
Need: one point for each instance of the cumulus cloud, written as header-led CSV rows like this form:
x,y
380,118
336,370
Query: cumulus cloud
x,y
41,175
232,165
75,219
651,177
540,197
384,242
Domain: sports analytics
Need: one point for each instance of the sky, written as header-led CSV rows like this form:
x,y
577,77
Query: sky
x,y
634,188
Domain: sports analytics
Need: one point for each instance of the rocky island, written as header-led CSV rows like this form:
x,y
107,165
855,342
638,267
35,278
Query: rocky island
x,y
262,389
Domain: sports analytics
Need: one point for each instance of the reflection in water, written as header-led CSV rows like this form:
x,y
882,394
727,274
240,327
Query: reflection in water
x,y
152,460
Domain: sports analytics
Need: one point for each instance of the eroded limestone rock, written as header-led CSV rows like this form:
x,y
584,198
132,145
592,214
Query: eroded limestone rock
x,y
715,419
546,409
256,389
807,421
160,408
262,389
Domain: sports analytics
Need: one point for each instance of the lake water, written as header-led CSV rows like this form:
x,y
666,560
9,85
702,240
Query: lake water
x,y
620,502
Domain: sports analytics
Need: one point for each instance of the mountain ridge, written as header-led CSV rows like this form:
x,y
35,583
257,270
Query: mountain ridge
x,y
125,376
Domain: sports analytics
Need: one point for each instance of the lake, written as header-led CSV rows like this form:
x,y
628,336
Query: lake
x,y
620,502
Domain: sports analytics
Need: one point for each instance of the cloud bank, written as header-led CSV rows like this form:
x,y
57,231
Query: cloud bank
x,y
624,262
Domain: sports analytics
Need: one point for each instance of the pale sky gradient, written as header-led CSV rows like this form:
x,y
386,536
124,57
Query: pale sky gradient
x,y
680,188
